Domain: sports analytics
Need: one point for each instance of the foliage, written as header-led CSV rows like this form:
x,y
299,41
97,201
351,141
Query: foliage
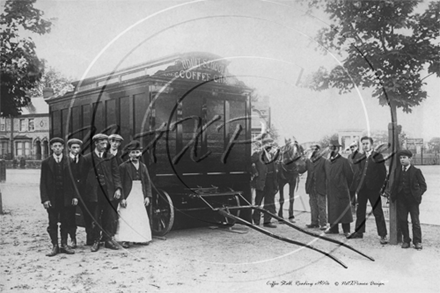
x,y
385,45
54,80
434,144
21,69
325,141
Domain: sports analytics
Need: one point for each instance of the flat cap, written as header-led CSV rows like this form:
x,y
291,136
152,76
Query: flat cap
x,y
100,136
133,146
115,137
407,153
56,139
74,141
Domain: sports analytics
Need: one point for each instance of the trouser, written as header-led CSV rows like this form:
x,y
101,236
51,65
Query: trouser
x,y
104,218
71,215
365,195
345,227
58,213
318,206
405,206
353,200
268,194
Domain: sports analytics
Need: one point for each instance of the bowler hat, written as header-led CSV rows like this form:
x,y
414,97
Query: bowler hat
x,y
100,136
405,153
133,146
334,142
74,141
56,139
115,137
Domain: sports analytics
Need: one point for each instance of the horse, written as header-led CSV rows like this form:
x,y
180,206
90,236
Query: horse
x,y
290,164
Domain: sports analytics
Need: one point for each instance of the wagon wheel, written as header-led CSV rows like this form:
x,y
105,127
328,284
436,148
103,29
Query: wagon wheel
x,y
233,201
163,213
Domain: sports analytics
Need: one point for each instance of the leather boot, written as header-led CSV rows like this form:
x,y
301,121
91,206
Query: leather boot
x,y
95,246
54,250
66,249
73,241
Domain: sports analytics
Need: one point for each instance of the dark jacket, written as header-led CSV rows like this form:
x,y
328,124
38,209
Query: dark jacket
x,y
108,179
316,176
47,186
126,171
339,179
75,177
417,184
372,171
357,174
263,166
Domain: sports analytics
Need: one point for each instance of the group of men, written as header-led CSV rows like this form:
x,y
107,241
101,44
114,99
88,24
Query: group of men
x,y
340,187
91,182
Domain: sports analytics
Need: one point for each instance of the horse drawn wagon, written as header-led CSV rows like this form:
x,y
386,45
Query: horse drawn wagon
x,y
193,120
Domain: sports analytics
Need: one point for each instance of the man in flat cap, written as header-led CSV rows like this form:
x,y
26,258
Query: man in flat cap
x,y
339,178
115,141
266,181
75,181
373,174
54,198
408,188
103,191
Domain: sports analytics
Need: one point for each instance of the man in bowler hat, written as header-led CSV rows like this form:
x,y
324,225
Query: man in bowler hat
x,y
54,198
103,191
408,188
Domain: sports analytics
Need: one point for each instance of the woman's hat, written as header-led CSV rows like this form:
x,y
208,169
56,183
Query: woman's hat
x,y
133,146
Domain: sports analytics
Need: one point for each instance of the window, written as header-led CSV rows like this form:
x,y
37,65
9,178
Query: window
x,y
22,124
19,148
2,124
4,148
31,124
27,148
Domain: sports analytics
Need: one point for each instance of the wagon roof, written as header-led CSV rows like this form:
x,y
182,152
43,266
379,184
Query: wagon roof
x,y
206,65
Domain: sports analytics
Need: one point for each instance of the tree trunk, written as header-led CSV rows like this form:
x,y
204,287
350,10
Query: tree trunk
x,y
393,139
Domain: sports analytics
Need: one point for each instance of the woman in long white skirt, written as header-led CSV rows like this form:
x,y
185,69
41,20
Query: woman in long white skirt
x,y
134,224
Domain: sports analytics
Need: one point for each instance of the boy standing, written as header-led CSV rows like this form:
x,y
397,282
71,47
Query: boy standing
x,y
75,181
408,190
54,198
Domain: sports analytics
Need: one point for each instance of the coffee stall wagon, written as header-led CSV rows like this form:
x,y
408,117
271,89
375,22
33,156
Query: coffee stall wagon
x,y
193,120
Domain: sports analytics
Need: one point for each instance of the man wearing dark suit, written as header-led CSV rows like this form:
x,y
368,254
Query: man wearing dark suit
x,y
373,174
408,188
316,188
54,198
354,185
74,186
103,192
265,181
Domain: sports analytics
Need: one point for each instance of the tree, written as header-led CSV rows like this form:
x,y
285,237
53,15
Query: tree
x,y
21,69
51,79
385,46
325,141
434,144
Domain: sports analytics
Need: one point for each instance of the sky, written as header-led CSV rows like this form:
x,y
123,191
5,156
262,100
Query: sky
x,y
268,43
